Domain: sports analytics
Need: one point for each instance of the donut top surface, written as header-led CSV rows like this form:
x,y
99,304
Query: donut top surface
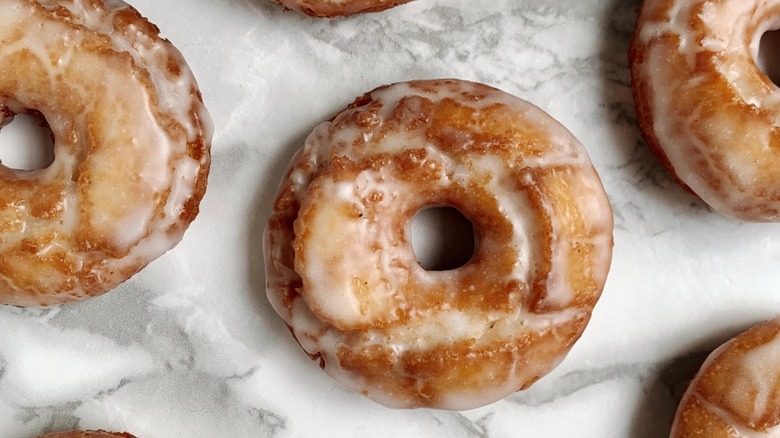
x,y
131,146
451,157
704,105
737,390
341,271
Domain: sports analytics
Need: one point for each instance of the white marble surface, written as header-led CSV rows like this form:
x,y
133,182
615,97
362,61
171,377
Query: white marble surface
x,y
190,347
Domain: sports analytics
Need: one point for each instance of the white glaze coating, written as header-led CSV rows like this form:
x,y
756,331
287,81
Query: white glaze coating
x,y
131,148
738,385
360,288
703,102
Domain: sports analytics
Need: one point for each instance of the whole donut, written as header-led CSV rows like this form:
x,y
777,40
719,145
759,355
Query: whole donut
x,y
131,147
87,434
705,108
339,8
737,391
342,274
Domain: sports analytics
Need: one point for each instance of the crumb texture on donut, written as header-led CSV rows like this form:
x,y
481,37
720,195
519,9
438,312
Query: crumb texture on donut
x,y
87,434
339,8
131,147
737,391
342,274
704,106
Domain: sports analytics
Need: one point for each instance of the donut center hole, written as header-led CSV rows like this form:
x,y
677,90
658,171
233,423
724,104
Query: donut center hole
x,y
26,143
769,55
442,238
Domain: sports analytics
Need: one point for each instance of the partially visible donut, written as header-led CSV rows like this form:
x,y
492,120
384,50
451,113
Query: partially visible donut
x,y
339,8
737,391
131,146
342,274
705,108
87,434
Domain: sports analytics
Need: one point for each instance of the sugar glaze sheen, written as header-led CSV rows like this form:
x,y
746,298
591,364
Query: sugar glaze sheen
x,y
342,274
737,391
705,108
131,145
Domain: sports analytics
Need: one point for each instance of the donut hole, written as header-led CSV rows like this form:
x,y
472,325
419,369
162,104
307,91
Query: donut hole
x,y
27,143
442,238
768,54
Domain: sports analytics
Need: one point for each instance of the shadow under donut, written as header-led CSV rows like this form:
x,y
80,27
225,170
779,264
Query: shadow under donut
x,y
268,7
663,391
638,167
638,171
263,206
264,197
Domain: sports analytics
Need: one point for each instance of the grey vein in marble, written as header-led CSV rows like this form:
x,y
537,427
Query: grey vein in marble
x,y
190,346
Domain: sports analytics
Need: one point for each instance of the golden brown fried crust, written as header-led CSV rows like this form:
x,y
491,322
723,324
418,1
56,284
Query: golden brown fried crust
x,y
87,434
332,9
724,396
461,365
709,113
51,252
410,139
640,93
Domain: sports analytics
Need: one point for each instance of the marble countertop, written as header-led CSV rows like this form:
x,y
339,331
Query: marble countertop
x,y
190,347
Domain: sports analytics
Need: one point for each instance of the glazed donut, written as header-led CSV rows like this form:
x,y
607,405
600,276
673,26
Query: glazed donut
x,y
87,434
737,391
342,274
131,146
339,8
704,107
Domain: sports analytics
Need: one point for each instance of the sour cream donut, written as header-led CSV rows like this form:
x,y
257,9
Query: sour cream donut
x,y
87,434
705,108
339,8
131,146
737,391
342,274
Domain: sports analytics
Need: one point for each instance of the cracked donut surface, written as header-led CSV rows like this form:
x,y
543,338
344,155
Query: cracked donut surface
x,y
342,274
736,393
131,148
705,108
